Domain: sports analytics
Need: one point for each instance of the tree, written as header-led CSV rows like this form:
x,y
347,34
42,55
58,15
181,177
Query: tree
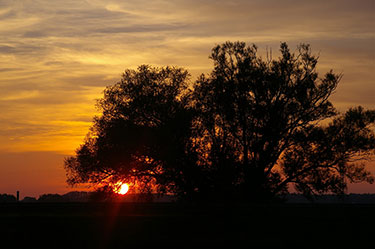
x,y
263,119
328,156
250,129
4,198
142,136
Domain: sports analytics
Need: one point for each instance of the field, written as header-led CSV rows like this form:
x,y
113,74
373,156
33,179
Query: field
x,y
168,225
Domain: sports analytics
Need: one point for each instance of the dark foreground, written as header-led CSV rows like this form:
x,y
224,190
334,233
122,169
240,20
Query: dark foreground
x,y
163,225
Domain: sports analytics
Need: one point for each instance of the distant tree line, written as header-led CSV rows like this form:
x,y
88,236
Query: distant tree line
x,y
251,129
74,196
5,198
95,197
92,196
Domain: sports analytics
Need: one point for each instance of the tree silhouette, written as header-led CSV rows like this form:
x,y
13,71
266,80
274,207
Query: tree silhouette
x,y
142,136
4,198
258,117
250,129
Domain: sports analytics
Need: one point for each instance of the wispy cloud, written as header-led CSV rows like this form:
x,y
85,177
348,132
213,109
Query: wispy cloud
x,y
57,56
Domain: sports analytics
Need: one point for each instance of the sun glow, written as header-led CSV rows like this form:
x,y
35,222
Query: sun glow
x,y
122,189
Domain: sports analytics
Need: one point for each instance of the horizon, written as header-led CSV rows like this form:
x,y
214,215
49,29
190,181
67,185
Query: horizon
x,y
57,57
125,196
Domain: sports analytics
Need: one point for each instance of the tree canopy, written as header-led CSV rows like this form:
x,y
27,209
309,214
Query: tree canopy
x,y
251,129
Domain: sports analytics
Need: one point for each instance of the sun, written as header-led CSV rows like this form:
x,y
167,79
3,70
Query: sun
x,y
123,189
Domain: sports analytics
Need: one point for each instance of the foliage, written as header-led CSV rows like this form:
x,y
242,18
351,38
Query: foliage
x,y
142,137
251,128
328,156
51,198
5,198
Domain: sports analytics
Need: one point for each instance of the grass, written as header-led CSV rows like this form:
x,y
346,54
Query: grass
x,y
169,225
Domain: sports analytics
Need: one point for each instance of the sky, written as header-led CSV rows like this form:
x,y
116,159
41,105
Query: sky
x,y
56,57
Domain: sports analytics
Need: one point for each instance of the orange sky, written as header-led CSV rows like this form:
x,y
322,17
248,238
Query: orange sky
x,y
56,57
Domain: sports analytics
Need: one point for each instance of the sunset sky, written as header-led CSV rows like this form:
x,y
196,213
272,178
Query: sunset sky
x,y
57,56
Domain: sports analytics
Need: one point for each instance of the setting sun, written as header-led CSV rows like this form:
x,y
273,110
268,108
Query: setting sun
x,y
123,189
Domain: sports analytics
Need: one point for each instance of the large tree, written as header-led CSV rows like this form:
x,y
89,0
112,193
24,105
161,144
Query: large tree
x,y
250,129
142,136
264,122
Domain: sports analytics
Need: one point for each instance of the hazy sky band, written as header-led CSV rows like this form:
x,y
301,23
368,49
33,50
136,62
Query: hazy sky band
x,y
57,56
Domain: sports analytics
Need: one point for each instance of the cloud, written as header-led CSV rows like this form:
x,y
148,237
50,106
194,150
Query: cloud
x,y
21,49
56,57
9,69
